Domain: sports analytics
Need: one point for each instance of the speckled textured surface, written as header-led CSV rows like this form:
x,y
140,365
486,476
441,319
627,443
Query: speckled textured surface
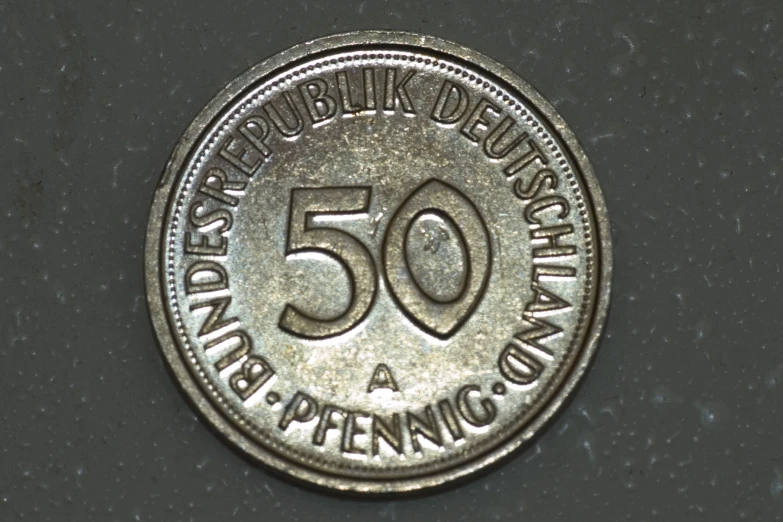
x,y
678,105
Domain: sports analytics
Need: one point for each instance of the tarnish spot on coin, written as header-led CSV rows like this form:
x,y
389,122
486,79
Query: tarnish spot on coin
x,y
382,379
437,257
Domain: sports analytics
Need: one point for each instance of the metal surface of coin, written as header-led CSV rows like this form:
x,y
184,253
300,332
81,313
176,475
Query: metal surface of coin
x,y
378,261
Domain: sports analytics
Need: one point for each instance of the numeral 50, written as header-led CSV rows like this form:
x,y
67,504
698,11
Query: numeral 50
x,y
436,317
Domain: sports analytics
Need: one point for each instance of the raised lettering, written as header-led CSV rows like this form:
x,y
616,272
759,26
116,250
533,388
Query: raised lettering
x,y
541,204
256,130
552,235
205,276
240,158
478,119
382,379
245,344
397,91
497,135
215,320
301,409
319,104
369,88
518,366
346,99
534,153
326,423
543,273
289,130
392,435
541,330
215,183
350,430
536,184
425,428
205,247
254,373
545,302
207,221
467,412
446,113
447,412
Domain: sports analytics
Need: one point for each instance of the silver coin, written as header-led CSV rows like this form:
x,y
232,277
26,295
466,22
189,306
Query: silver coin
x,y
378,262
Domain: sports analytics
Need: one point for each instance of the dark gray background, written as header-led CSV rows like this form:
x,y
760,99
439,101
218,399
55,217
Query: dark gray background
x,y
679,105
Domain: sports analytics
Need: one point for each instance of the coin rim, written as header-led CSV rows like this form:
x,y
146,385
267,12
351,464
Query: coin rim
x,y
154,264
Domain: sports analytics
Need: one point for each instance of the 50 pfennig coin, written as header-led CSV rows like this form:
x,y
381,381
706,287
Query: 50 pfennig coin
x,y
378,261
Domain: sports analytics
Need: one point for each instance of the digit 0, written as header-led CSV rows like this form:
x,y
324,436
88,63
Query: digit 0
x,y
434,316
